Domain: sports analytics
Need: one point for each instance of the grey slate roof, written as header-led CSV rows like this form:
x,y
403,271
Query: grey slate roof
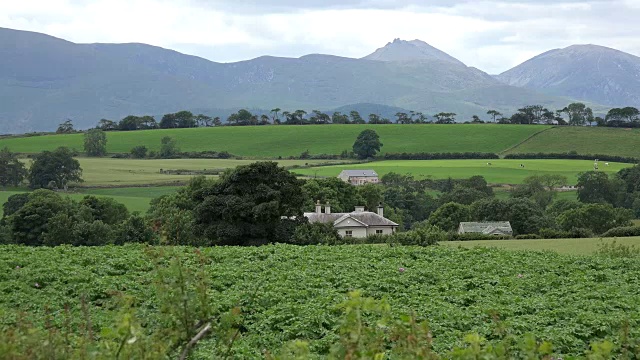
x,y
485,227
363,173
366,217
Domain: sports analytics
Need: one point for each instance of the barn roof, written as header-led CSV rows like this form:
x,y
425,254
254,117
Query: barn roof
x,y
485,227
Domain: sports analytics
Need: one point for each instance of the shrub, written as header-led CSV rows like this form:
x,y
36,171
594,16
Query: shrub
x,y
475,236
528,236
625,231
134,230
614,250
139,152
316,233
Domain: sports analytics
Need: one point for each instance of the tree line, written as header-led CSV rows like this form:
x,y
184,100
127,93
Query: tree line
x,y
263,203
574,114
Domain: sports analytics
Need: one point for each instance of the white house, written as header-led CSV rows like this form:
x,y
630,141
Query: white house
x,y
359,177
487,228
357,224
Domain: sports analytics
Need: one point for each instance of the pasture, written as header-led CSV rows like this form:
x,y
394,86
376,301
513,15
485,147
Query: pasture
x,y
500,172
122,172
275,141
584,140
292,292
562,246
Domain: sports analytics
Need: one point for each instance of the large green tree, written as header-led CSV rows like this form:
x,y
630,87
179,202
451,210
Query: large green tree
x,y
168,147
12,170
597,187
595,217
95,142
248,205
449,216
54,169
367,144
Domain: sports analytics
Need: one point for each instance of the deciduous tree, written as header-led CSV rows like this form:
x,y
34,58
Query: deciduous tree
x,y
367,144
95,143
54,168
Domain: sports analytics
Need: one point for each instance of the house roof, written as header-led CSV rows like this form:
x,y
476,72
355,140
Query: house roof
x,y
486,227
364,218
361,173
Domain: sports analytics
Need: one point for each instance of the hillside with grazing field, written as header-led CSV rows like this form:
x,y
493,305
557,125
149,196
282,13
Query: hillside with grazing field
x,y
275,141
500,171
126,172
584,140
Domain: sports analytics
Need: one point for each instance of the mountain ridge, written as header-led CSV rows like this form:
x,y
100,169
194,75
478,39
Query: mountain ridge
x,y
45,80
585,71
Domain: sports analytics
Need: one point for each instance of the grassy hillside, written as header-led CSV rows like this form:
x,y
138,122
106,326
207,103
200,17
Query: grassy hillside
x,y
274,141
500,172
608,141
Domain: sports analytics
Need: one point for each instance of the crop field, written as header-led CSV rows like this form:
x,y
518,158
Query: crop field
x,y
274,141
563,246
584,140
500,172
119,172
290,292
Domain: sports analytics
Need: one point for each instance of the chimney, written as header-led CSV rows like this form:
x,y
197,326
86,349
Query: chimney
x,y
381,210
318,207
327,209
359,208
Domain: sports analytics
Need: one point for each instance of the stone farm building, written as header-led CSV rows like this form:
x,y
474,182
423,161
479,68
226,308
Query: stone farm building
x,y
357,224
486,228
359,177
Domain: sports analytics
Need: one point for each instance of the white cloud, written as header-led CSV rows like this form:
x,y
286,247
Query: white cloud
x,y
491,35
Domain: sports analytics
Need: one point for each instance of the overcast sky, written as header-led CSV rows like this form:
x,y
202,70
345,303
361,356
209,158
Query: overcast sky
x,y
491,35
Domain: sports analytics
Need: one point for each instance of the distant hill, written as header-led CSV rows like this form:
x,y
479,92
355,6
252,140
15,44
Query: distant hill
x,y
45,80
402,50
586,72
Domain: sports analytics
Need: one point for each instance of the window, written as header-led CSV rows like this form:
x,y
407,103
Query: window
x,y
378,232
348,233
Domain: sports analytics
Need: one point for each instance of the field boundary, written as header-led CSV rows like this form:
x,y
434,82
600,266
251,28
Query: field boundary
x,y
524,141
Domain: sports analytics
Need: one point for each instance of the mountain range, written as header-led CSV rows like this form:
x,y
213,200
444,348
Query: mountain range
x,y
45,80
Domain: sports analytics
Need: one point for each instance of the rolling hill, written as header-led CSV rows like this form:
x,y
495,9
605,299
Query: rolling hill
x,y
587,72
45,80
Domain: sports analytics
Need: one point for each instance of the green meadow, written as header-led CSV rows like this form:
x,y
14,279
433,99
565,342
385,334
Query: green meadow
x,y
285,141
562,246
125,172
275,141
499,172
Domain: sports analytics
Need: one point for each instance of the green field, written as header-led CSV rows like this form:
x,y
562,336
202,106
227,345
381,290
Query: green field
x,y
291,292
119,172
274,141
500,172
563,246
135,199
584,140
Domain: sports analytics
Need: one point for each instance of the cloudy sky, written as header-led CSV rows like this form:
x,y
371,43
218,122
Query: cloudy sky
x,y
492,35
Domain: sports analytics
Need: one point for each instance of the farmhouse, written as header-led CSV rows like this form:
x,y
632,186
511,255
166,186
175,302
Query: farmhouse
x,y
359,177
487,228
357,224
